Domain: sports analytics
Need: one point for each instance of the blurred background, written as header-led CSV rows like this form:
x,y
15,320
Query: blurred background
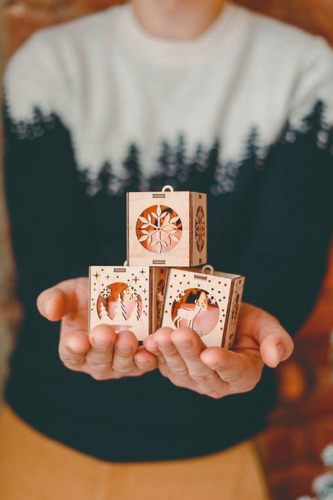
x,y
302,423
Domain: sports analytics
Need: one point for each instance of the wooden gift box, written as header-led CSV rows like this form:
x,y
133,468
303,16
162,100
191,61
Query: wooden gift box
x,y
127,298
166,228
207,303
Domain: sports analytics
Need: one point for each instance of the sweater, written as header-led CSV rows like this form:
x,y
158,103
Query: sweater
x,y
97,107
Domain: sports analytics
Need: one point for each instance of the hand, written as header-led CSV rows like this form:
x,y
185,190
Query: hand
x,y
103,354
217,372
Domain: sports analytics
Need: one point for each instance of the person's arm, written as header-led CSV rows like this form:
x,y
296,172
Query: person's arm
x,y
51,224
286,258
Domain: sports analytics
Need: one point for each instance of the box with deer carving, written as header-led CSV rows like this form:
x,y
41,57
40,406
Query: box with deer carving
x,y
126,298
166,228
204,300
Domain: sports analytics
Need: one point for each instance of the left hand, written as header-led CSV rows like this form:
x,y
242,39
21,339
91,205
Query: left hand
x,y
215,371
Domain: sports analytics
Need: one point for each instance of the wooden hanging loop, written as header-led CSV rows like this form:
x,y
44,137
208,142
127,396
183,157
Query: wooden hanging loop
x,y
208,269
167,188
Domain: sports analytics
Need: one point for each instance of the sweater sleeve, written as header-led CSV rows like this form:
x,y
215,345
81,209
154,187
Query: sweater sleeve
x,y
47,207
285,261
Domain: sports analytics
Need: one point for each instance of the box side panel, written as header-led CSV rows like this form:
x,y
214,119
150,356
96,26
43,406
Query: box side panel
x,y
227,317
128,201
219,297
227,275
119,297
90,307
158,229
199,228
150,301
198,301
236,300
191,230
165,316
158,284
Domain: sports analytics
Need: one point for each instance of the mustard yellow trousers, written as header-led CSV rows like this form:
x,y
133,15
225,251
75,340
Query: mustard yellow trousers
x,y
34,467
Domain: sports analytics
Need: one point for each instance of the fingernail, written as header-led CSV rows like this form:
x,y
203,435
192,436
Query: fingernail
x,y
74,347
101,343
186,346
124,349
280,351
144,363
149,345
45,305
167,348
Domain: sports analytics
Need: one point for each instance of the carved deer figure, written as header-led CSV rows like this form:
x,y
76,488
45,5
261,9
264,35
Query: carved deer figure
x,y
189,314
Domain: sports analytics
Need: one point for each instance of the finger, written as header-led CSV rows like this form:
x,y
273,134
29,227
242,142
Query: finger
x,y
190,346
102,339
144,360
170,352
151,346
73,348
277,346
275,343
54,303
241,372
174,376
125,348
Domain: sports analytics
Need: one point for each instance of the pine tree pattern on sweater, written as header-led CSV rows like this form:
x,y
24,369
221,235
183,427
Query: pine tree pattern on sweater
x,y
174,166
145,133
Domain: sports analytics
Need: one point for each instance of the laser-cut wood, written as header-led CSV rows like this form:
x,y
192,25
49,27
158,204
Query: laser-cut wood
x,y
126,298
120,297
167,228
207,303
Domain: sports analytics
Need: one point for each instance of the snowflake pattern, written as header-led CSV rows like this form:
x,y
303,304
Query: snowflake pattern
x,y
105,293
159,229
212,299
132,293
180,296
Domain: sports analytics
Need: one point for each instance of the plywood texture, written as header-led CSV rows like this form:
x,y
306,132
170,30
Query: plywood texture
x,y
127,298
206,302
120,297
166,228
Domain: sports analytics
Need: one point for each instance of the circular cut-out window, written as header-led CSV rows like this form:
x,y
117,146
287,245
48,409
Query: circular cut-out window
x,y
159,229
120,303
197,309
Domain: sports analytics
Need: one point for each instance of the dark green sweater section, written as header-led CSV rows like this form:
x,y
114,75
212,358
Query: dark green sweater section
x,y
274,227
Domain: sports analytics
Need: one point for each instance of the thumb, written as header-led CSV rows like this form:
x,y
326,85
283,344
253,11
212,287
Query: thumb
x,y
276,346
54,303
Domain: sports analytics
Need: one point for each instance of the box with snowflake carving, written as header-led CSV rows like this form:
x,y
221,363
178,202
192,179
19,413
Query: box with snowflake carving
x,y
204,300
167,228
126,298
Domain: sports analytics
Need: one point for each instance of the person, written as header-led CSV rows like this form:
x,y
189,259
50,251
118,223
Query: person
x,y
204,96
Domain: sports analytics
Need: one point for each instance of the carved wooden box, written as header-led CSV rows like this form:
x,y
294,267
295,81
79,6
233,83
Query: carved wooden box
x,y
207,303
167,228
127,298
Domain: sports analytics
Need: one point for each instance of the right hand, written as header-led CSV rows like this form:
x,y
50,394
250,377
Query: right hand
x,y
102,353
